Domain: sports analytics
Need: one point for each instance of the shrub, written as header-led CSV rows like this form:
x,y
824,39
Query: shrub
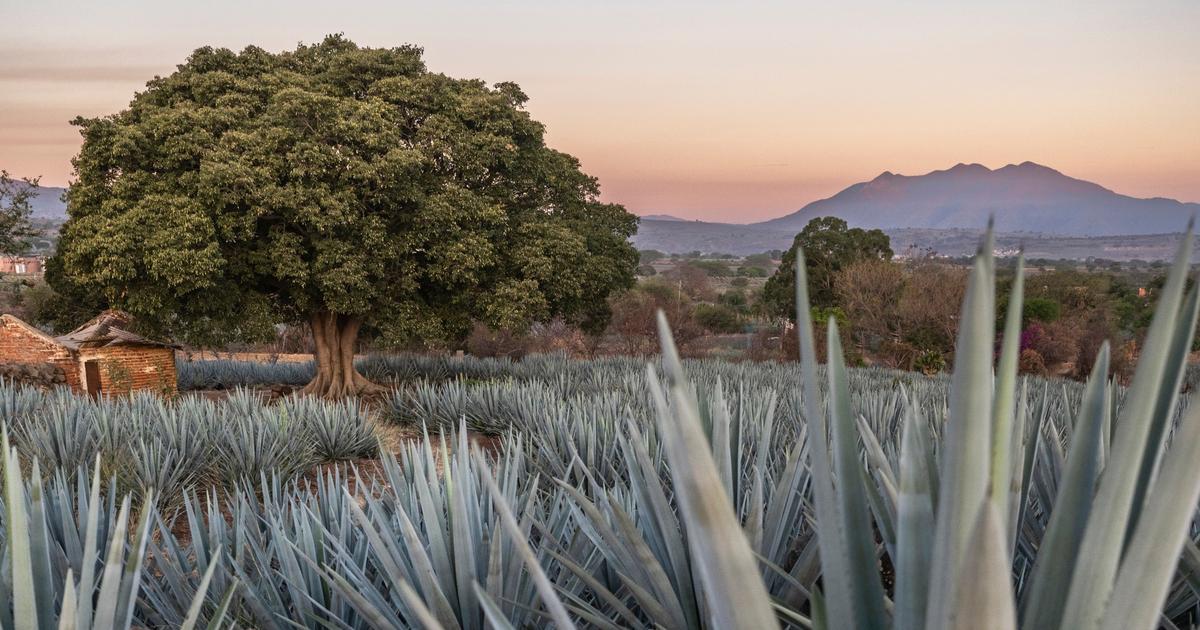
x,y
929,362
718,318
632,327
820,318
691,281
487,342
735,299
1031,363
1059,342
558,337
1041,310
713,268
927,313
897,353
647,256
1032,336
869,292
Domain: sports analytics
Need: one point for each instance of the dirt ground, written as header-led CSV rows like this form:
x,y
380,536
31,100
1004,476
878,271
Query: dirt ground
x,y
260,357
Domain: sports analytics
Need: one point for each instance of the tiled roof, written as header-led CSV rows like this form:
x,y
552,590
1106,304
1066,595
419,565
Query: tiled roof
x,y
107,329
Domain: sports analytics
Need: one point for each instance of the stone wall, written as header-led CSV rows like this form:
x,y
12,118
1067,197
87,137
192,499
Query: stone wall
x,y
43,375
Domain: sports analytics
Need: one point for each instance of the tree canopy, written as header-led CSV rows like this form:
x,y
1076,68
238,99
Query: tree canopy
x,y
829,245
339,185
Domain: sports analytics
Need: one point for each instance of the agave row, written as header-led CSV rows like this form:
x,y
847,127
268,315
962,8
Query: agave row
x,y
145,442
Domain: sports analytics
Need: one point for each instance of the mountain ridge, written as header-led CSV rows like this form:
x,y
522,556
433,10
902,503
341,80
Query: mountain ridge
x,y
47,202
1026,196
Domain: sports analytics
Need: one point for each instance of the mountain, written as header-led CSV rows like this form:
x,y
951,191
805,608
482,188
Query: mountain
x,y
662,217
1023,197
47,203
1051,214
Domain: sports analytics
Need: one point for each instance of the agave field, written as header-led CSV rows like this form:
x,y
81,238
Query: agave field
x,y
675,494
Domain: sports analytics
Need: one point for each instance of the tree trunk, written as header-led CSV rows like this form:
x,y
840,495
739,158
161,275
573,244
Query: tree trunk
x,y
334,336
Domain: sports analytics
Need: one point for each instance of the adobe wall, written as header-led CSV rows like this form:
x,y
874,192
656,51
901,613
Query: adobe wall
x,y
33,266
127,368
19,344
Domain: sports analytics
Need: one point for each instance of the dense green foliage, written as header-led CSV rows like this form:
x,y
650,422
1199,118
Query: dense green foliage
x,y
829,245
719,318
713,268
647,256
343,186
1041,309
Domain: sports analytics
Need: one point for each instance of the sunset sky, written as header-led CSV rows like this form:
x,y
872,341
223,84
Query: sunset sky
x,y
719,111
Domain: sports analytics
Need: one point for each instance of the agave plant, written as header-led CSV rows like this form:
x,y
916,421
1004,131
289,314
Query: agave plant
x,y
1121,509
173,446
96,591
337,430
230,374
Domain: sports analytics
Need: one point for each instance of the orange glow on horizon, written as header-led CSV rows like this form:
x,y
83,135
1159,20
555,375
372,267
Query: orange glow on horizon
x,y
701,110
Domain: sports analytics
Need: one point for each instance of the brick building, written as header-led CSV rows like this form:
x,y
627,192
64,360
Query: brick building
x,y
22,265
100,357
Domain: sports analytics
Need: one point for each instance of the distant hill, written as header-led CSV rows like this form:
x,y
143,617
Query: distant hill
x,y
662,217
1023,197
678,237
1052,214
741,240
48,203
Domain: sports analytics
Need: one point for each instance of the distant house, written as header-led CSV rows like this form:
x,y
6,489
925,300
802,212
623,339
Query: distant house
x,y
22,265
100,357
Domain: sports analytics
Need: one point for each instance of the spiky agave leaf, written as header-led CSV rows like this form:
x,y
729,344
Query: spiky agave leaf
x,y
836,573
965,468
727,567
1005,429
1104,538
28,610
916,521
1149,564
984,599
1058,554
554,606
852,516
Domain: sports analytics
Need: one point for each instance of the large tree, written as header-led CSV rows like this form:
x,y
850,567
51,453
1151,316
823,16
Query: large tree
x,y
344,186
829,245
